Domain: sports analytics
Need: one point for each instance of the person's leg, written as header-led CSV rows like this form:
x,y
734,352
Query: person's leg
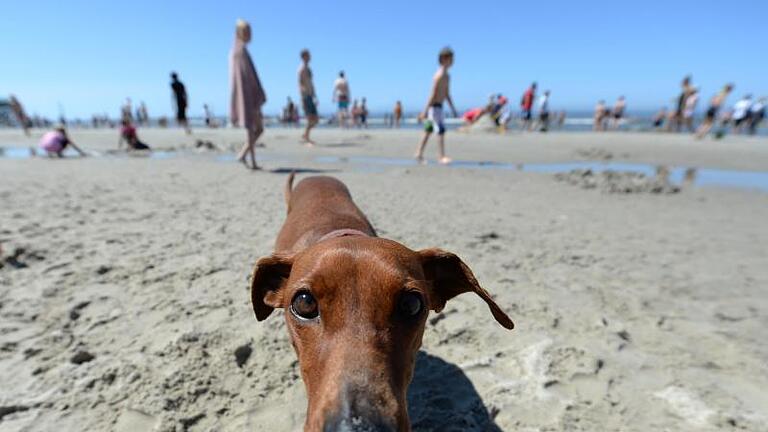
x,y
704,128
441,149
312,120
245,149
253,135
441,136
422,145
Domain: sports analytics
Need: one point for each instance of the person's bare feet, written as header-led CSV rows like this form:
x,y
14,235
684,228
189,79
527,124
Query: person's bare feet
x,y
307,142
445,160
420,159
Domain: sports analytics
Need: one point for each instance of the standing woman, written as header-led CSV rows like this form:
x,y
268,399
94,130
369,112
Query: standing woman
x,y
247,95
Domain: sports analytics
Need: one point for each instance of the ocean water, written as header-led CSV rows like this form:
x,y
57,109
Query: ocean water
x,y
576,121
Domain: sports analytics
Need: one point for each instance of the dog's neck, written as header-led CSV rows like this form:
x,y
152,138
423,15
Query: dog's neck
x,y
344,232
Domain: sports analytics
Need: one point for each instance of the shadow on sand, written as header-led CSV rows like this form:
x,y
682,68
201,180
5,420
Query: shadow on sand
x,y
340,145
288,170
442,398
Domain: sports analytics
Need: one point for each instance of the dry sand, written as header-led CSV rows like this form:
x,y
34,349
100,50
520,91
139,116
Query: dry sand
x,y
634,312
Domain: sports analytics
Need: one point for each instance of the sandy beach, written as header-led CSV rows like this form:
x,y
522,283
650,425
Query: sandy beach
x,y
124,302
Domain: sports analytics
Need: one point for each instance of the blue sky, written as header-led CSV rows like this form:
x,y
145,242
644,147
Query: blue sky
x,y
89,56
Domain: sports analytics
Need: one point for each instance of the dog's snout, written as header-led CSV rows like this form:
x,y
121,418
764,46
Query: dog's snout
x,y
358,413
357,424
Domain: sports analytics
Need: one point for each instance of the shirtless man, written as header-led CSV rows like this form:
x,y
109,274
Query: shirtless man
x,y
600,113
397,114
341,96
715,104
618,112
433,111
687,87
308,97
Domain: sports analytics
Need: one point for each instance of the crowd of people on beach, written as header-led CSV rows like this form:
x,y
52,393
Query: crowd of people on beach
x,y
247,96
745,115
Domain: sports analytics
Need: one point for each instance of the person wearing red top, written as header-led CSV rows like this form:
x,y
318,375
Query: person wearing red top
x,y
526,105
128,134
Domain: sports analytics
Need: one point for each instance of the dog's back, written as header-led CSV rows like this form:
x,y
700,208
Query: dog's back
x,y
317,206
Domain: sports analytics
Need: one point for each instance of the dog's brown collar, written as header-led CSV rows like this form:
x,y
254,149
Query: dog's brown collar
x,y
344,232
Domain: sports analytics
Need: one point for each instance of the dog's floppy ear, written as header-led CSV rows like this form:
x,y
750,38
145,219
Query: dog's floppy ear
x,y
450,277
268,278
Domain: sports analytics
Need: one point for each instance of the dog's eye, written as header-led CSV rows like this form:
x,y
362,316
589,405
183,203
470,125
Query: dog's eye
x,y
410,304
304,305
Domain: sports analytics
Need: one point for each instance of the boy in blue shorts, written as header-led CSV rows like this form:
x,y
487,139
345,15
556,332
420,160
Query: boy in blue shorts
x,y
433,111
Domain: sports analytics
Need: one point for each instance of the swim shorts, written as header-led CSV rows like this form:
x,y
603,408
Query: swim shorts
x,y
309,106
435,118
711,113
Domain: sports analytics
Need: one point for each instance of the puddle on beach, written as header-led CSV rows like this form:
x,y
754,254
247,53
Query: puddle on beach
x,y
677,175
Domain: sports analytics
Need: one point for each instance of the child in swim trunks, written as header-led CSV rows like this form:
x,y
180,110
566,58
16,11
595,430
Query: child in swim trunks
x,y
55,142
433,111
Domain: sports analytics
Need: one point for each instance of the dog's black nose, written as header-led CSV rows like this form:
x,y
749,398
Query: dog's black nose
x,y
357,424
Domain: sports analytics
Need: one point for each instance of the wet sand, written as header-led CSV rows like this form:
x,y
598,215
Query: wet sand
x,y
124,303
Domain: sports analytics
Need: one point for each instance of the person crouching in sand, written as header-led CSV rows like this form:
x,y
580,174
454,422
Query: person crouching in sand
x,y
54,143
247,95
433,111
129,136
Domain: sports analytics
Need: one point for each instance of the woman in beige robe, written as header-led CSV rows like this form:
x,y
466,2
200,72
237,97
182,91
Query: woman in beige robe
x,y
247,95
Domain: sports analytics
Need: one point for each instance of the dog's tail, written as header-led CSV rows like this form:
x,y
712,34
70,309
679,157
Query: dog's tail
x,y
288,189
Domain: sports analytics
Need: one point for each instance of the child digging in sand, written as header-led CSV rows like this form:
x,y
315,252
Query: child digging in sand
x,y
55,142
433,111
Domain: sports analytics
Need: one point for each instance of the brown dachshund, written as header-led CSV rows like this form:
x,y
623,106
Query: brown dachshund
x,y
356,306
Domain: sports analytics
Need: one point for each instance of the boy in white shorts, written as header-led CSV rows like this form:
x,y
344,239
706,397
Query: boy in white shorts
x,y
433,111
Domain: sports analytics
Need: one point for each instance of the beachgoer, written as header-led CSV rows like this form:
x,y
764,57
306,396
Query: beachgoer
x,y
246,95
363,113
471,116
397,114
308,96
658,119
601,112
526,106
354,113
715,103
690,109
127,110
618,111
741,113
129,136
544,112
677,119
54,143
181,101
143,114
756,115
433,111
207,115
561,119
18,112
341,97
497,108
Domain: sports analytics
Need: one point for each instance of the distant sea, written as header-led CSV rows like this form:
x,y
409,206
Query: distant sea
x,y
575,121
